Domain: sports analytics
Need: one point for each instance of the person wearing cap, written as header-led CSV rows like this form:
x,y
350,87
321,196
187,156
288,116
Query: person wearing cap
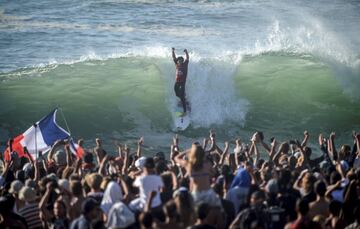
x,y
89,214
147,182
181,75
14,190
31,210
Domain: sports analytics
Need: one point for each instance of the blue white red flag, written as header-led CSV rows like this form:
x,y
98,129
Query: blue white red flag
x,y
39,137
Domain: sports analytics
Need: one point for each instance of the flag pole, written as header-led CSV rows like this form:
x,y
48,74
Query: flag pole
x,y
66,124
36,154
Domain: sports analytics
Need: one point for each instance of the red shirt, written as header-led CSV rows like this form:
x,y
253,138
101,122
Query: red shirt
x,y
181,71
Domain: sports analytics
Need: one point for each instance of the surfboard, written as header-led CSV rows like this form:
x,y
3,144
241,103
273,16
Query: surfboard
x,y
181,123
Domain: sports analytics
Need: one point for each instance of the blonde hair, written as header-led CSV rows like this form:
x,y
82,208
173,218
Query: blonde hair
x,y
94,180
196,157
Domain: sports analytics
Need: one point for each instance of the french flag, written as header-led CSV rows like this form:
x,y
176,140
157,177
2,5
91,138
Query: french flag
x,y
39,137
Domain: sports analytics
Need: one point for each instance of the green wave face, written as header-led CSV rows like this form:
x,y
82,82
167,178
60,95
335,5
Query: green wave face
x,y
124,98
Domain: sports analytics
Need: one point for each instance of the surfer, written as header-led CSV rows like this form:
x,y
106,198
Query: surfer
x,y
181,74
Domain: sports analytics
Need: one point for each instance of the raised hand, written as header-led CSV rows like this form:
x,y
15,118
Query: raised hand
x,y
98,141
321,139
176,140
141,141
332,136
306,133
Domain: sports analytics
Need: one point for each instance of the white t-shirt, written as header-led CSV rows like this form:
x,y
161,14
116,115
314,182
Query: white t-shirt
x,y
147,184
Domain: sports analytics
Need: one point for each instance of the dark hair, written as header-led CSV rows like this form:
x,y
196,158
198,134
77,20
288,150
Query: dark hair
x,y
88,205
149,163
335,207
161,167
146,219
88,158
302,206
76,187
179,58
320,188
202,210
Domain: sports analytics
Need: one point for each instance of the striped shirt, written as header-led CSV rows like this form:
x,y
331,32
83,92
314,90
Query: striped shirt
x,y
31,213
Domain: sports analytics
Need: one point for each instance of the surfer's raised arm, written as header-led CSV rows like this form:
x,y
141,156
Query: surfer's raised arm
x,y
186,54
173,55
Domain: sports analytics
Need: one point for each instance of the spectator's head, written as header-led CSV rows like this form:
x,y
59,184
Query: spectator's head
x,y
20,176
284,180
60,157
320,188
94,181
89,208
76,188
59,209
139,163
335,207
302,207
149,164
160,167
88,158
272,187
202,211
196,157
335,177
27,194
159,156
146,220
30,183
344,152
257,198
15,187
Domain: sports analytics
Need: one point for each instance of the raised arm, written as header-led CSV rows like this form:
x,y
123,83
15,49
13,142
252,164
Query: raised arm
x,y
306,138
224,154
69,161
173,55
332,148
179,159
52,150
140,143
186,54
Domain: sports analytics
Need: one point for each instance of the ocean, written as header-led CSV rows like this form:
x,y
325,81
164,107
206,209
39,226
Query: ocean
x,y
280,67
